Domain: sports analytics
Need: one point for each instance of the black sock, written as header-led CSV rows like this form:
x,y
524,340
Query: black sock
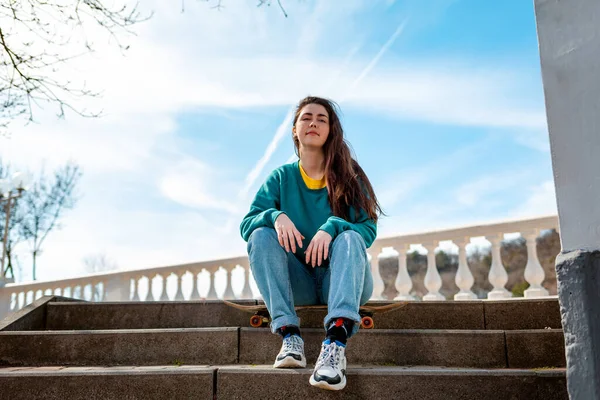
x,y
288,330
339,329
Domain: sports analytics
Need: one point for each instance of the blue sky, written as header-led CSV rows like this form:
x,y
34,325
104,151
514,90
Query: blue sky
x,y
442,102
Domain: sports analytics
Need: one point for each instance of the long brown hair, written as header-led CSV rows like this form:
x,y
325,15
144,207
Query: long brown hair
x,y
347,183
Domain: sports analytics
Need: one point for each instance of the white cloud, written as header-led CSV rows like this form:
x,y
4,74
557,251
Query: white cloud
x,y
541,200
238,58
192,183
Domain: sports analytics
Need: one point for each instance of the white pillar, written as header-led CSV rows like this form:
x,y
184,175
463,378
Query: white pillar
x,y
433,280
497,276
464,278
569,44
534,273
404,282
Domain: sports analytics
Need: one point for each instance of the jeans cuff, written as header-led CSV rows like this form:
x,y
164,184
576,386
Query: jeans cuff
x,y
284,321
354,316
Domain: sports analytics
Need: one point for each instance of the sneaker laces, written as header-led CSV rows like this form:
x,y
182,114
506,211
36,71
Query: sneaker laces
x,y
330,356
292,343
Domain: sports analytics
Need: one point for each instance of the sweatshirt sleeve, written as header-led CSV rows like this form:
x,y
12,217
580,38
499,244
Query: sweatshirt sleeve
x,y
264,209
366,227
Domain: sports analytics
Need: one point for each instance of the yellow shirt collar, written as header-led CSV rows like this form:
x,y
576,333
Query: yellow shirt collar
x,y
310,182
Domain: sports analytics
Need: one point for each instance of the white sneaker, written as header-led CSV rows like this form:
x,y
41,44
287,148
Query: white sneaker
x,y
330,370
291,354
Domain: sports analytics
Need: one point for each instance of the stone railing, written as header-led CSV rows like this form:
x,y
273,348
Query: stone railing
x,y
201,280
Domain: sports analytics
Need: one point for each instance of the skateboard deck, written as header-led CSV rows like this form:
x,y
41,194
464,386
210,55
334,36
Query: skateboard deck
x,y
262,318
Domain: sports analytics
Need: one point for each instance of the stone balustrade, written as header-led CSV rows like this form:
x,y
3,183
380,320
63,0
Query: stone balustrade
x,y
153,284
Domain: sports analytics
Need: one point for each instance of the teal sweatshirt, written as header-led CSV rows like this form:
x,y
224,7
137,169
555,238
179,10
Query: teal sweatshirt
x,y
284,191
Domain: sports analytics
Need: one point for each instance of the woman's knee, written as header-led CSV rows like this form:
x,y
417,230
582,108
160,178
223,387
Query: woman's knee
x,y
261,237
349,238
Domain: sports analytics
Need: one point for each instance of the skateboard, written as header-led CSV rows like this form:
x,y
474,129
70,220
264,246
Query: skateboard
x,y
262,318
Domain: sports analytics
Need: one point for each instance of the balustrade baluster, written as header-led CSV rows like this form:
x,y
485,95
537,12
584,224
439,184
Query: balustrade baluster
x,y
179,293
464,278
195,293
247,291
164,296
497,276
228,294
404,282
149,295
212,292
534,273
136,296
433,280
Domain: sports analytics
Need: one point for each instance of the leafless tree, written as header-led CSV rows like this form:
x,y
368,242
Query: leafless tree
x,y
37,38
99,262
44,204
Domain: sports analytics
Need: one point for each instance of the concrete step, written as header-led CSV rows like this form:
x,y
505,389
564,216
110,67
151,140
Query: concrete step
x,y
263,382
449,348
460,348
394,383
493,315
106,383
123,347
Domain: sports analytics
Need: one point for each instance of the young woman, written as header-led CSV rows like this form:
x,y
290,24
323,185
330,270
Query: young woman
x,y
307,230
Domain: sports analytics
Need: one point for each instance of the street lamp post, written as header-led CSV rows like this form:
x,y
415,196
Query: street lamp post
x,y
10,191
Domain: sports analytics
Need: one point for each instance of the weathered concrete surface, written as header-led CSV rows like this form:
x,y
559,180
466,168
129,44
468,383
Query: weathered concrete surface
x,y
522,314
238,383
32,316
96,383
145,315
535,349
578,275
474,349
124,347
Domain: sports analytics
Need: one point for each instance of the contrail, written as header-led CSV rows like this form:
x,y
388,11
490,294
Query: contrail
x,y
375,59
369,67
253,175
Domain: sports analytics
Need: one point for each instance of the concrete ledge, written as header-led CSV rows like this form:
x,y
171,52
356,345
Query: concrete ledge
x,y
33,316
522,314
141,383
124,347
145,315
535,349
476,349
394,383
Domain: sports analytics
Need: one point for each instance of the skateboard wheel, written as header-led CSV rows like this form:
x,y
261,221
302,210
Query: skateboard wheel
x,y
367,323
256,321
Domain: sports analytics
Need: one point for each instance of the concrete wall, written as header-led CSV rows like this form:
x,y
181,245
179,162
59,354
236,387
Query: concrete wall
x,y
569,38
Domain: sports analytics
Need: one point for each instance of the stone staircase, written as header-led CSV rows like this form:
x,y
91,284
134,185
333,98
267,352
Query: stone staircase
x,y
57,348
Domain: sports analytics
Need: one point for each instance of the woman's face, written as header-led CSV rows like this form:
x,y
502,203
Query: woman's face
x,y
312,126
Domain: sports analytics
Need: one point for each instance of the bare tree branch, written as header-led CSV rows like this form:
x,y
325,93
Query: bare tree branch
x,y
37,37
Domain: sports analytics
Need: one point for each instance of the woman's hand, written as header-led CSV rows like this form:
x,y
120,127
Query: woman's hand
x,y
287,234
318,249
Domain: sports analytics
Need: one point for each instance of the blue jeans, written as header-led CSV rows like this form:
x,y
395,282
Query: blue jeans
x,y
344,284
